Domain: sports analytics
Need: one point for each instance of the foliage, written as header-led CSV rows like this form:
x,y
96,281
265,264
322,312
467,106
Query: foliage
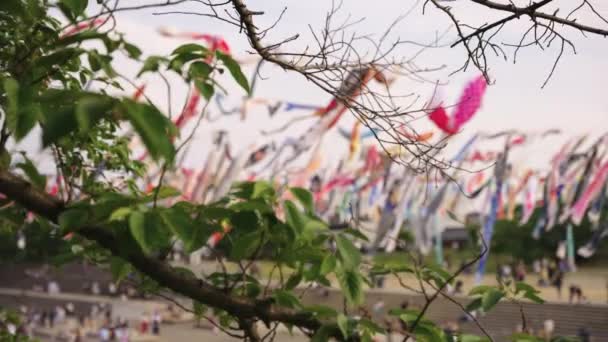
x,y
512,239
9,322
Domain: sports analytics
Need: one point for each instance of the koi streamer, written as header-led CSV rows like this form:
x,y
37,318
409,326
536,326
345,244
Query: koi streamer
x,y
488,229
215,42
529,199
415,137
600,233
592,191
87,25
468,105
438,198
365,134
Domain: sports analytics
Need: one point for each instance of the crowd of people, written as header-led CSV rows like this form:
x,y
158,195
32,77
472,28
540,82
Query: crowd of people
x,y
549,273
63,322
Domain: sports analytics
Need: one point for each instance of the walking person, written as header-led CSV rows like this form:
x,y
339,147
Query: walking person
x,y
156,319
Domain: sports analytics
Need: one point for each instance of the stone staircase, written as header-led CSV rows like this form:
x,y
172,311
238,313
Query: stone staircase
x,y
501,322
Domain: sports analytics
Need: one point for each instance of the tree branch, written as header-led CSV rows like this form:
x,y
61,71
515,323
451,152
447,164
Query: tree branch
x,y
43,204
533,13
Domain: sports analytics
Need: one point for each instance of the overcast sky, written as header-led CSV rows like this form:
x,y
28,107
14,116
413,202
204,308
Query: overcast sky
x,y
574,100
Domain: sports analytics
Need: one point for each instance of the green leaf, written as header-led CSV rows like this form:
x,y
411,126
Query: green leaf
x,y
436,274
206,89
152,63
322,334
5,159
235,70
189,48
371,326
245,245
22,112
342,322
11,89
15,8
200,234
77,7
428,332
305,198
153,128
293,281
177,63
242,190
72,219
393,266
179,222
133,51
294,217
120,214
406,315
58,58
93,59
104,62
38,180
119,269
351,285
312,228
200,70
490,298
163,193
245,221
282,234
253,205
286,299
81,37
70,111
58,123
252,290
90,109
355,233
349,254
473,305
225,320
523,287
263,190
216,212
481,289
328,264
534,297
199,309
528,292
321,311
184,271
137,225
28,116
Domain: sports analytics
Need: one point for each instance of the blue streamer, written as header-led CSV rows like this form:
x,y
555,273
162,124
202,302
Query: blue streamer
x,y
367,133
488,229
289,106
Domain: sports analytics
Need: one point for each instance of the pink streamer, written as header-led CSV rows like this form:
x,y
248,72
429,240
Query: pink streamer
x,y
468,105
190,110
592,191
83,26
215,42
